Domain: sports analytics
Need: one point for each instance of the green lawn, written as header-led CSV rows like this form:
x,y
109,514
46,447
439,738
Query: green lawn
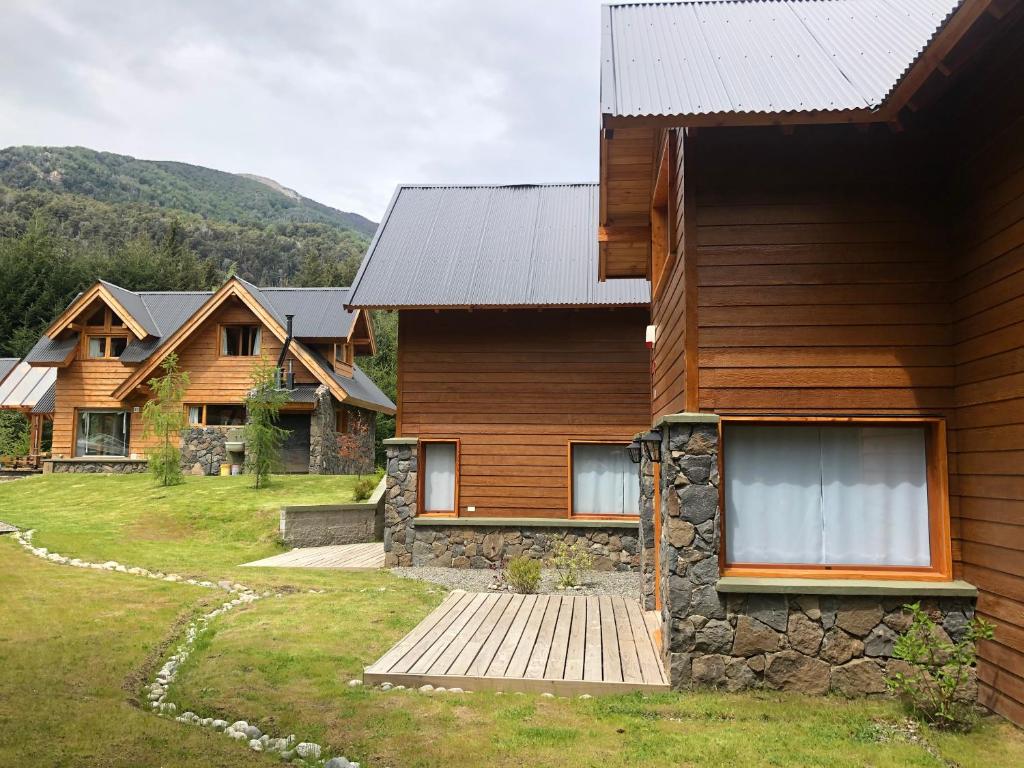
x,y
75,647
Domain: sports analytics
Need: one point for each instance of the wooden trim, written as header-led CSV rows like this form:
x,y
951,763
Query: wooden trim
x,y
691,324
107,337
662,254
74,430
66,317
367,319
941,568
568,463
202,417
422,477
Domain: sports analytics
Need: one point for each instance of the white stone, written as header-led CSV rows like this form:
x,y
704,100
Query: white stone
x,y
255,745
547,695
354,683
426,688
308,750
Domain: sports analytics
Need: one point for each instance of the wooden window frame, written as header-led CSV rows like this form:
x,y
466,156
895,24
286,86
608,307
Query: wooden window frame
x,y
421,477
937,477
222,329
663,209
590,515
108,339
202,419
74,432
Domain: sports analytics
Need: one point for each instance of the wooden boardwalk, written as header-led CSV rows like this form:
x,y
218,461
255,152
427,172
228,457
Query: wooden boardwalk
x,y
344,556
566,645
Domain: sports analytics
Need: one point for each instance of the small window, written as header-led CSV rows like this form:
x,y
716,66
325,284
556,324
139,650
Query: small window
x,y
97,346
196,415
240,340
440,470
102,433
828,496
101,347
604,480
225,415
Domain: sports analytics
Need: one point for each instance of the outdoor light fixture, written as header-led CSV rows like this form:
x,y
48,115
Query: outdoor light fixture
x,y
633,449
652,445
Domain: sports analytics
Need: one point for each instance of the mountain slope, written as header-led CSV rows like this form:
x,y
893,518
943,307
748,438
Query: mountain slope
x,y
111,178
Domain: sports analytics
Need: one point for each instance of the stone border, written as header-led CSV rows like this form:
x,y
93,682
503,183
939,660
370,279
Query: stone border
x,y
109,465
288,748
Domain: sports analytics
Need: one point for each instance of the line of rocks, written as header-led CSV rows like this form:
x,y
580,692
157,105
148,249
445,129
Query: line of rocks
x,y
289,749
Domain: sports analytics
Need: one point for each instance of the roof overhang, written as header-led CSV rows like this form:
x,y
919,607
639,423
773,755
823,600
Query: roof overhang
x,y
97,291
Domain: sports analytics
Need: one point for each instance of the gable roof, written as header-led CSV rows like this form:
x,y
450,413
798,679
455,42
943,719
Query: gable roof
x,y
763,56
528,245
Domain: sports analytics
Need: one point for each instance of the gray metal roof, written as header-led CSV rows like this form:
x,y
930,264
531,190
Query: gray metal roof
x,y
360,388
6,366
766,56
320,313
522,245
47,401
55,351
135,306
170,310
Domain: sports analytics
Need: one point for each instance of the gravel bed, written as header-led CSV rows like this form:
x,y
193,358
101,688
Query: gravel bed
x,y
480,580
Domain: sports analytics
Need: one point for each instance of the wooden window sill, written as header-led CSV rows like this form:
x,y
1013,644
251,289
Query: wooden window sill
x,y
813,586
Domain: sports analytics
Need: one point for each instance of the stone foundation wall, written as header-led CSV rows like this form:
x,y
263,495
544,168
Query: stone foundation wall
x,y
807,643
648,545
96,466
325,451
203,449
484,545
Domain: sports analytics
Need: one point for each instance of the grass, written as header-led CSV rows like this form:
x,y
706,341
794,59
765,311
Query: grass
x,y
284,663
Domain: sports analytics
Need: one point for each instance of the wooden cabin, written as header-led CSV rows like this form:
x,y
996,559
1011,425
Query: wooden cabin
x,y
521,378
828,202
110,342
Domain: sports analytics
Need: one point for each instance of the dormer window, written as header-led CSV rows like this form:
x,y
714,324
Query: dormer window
x,y
105,337
106,347
240,340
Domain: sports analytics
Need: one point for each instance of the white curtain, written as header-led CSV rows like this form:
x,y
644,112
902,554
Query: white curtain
x,y
195,414
223,340
439,477
257,337
826,495
604,481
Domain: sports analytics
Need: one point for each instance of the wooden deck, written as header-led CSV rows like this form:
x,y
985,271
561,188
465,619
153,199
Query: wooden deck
x,y
344,556
566,645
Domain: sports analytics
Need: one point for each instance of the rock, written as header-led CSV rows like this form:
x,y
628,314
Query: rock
x,y
253,732
708,670
792,671
772,610
714,637
898,620
704,571
738,676
547,695
809,605
698,503
858,615
861,677
804,635
337,762
753,637
680,532
706,601
355,683
491,545
880,641
680,669
956,624
756,663
308,750
255,745
426,688
837,647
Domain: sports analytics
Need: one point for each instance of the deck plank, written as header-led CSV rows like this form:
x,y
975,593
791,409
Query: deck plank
x,y
462,639
468,654
574,653
555,668
542,646
501,638
452,631
339,556
524,649
627,645
592,655
426,641
611,663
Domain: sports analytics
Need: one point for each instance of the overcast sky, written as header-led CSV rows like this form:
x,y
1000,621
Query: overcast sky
x,y
338,99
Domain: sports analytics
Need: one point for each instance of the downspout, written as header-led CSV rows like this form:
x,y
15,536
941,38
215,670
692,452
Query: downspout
x,y
290,381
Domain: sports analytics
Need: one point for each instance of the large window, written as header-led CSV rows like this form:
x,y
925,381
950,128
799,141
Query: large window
x,y
439,470
604,480
215,415
833,496
240,340
102,433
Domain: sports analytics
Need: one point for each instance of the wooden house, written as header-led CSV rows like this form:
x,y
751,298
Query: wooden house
x,y
110,342
521,378
828,201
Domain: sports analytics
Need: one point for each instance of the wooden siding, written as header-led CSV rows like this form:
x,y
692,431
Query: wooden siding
x,y
514,388
988,307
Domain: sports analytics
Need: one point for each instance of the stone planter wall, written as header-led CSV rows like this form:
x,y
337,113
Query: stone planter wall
x,y
808,643
95,466
203,449
329,524
483,545
324,452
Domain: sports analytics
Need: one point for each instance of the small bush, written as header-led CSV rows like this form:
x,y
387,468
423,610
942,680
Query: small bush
x,y
936,688
523,575
364,487
571,562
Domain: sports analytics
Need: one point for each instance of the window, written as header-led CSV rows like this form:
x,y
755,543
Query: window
x,y
341,423
196,415
439,470
604,480
662,211
216,415
831,496
103,347
240,340
102,433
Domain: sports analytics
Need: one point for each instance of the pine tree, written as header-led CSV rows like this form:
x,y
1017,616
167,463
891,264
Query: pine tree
x,y
263,438
164,417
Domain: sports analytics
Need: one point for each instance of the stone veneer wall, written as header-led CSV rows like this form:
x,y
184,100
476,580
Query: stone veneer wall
x,y
485,545
648,546
203,449
95,466
808,643
324,455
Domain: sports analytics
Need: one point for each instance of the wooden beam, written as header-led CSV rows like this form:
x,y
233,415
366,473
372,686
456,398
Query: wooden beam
x,y
636,235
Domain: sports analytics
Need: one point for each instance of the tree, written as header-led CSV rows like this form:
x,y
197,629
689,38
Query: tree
x,y
382,368
164,417
263,438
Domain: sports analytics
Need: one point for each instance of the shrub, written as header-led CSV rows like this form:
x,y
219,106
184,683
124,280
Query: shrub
x,y
263,438
571,561
523,574
164,418
935,689
365,486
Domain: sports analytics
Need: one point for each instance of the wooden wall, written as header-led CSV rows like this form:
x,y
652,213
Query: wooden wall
x,y
514,387
83,384
987,188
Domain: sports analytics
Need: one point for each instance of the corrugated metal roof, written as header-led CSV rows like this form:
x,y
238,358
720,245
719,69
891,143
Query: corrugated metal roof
x,y
135,306
6,366
360,387
47,403
320,313
25,385
523,245
170,310
766,56
48,350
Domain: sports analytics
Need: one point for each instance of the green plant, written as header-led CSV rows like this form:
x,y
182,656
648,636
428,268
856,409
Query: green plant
x,y
571,561
263,438
164,418
365,486
523,574
941,669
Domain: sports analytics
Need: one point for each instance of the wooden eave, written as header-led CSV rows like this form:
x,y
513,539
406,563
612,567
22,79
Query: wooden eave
x,y
98,291
362,335
232,287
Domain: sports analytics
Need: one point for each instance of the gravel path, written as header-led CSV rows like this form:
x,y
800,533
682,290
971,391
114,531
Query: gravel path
x,y
479,580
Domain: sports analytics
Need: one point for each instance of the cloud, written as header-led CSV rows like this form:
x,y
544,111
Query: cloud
x,y
339,100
